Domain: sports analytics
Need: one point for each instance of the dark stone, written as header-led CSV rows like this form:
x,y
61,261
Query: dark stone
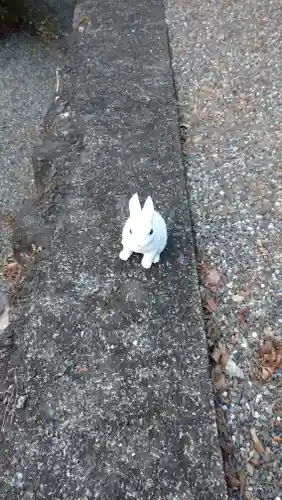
x,y
112,357
48,17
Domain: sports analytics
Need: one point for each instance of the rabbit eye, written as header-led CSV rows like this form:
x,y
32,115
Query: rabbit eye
x,y
130,231
151,232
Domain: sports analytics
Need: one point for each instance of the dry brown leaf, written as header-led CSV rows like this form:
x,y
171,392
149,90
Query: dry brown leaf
x,y
12,272
278,439
213,278
271,352
210,304
256,442
267,372
233,482
209,327
218,378
224,358
202,267
226,446
267,347
219,351
269,357
243,312
216,354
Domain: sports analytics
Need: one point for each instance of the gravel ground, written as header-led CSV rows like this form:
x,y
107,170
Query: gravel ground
x,y
227,63
28,69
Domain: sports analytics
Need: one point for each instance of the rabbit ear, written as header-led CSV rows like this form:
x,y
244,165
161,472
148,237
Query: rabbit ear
x,y
148,209
134,205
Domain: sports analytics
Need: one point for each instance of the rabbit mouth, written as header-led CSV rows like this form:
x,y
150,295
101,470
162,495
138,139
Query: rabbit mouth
x,y
146,246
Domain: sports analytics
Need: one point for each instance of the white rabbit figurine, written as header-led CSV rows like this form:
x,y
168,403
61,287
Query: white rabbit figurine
x,y
144,232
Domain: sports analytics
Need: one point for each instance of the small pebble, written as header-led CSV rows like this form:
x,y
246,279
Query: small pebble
x,y
21,402
244,343
250,469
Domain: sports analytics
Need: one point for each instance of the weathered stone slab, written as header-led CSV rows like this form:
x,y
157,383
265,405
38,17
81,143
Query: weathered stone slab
x,y
112,358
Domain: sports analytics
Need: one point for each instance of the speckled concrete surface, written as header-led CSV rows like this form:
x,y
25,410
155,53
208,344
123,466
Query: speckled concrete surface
x,y
227,65
27,81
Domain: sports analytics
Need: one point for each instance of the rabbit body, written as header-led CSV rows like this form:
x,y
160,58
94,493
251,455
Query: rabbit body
x,y
144,232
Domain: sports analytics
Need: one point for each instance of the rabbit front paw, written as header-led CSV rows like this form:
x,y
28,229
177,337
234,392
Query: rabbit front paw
x,y
125,254
156,258
147,261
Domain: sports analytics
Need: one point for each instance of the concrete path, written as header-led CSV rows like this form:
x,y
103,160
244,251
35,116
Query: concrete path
x,y
108,387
